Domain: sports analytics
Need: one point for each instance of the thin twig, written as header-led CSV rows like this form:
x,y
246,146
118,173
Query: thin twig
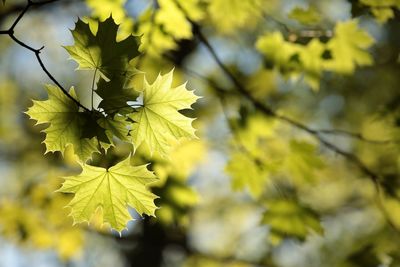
x,y
93,81
272,113
17,8
10,33
358,136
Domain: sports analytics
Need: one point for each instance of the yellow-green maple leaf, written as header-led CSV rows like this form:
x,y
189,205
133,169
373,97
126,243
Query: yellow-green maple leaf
x,y
311,60
102,51
65,123
383,10
161,28
103,8
274,47
348,48
173,20
116,126
112,190
229,15
158,121
288,218
247,173
307,16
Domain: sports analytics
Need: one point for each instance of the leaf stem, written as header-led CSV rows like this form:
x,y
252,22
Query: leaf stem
x,y
93,81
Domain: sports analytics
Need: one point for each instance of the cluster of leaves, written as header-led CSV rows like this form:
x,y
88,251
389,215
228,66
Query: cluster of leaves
x,y
263,154
291,179
37,218
267,160
161,25
341,54
155,121
382,10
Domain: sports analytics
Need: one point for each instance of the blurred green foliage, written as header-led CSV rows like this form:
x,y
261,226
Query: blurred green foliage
x,y
254,189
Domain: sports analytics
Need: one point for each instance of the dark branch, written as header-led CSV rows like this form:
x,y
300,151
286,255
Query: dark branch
x,y
11,30
10,33
374,177
270,112
355,136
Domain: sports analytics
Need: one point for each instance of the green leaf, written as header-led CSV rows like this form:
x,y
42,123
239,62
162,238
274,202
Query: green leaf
x,y
102,51
303,161
274,47
348,48
246,172
228,16
154,40
173,20
309,16
116,93
382,10
115,126
103,8
312,62
159,122
162,27
287,218
66,123
281,53
112,190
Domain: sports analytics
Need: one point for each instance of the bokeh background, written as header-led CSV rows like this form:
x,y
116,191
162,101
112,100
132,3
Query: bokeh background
x,y
293,202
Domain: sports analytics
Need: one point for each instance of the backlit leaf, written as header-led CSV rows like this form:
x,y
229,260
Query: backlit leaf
x,y
113,190
66,123
101,50
287,218
307,16
348,48
158,121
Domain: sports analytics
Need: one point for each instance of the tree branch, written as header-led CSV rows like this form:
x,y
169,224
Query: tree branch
x,y
17,8
270,112
10,33
374,177
358,136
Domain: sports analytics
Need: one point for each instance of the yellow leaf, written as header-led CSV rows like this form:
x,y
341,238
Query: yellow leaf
x,y
158,122
307,16
112,190
348,48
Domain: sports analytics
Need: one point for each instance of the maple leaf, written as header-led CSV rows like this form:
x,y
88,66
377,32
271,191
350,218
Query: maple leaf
x,y
102,51
112,190
307,16
288,218
173,19
382,9
115,126
312,62
159,120
115,95
274,47
246,172
236,14
103,8
66,123
348,48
